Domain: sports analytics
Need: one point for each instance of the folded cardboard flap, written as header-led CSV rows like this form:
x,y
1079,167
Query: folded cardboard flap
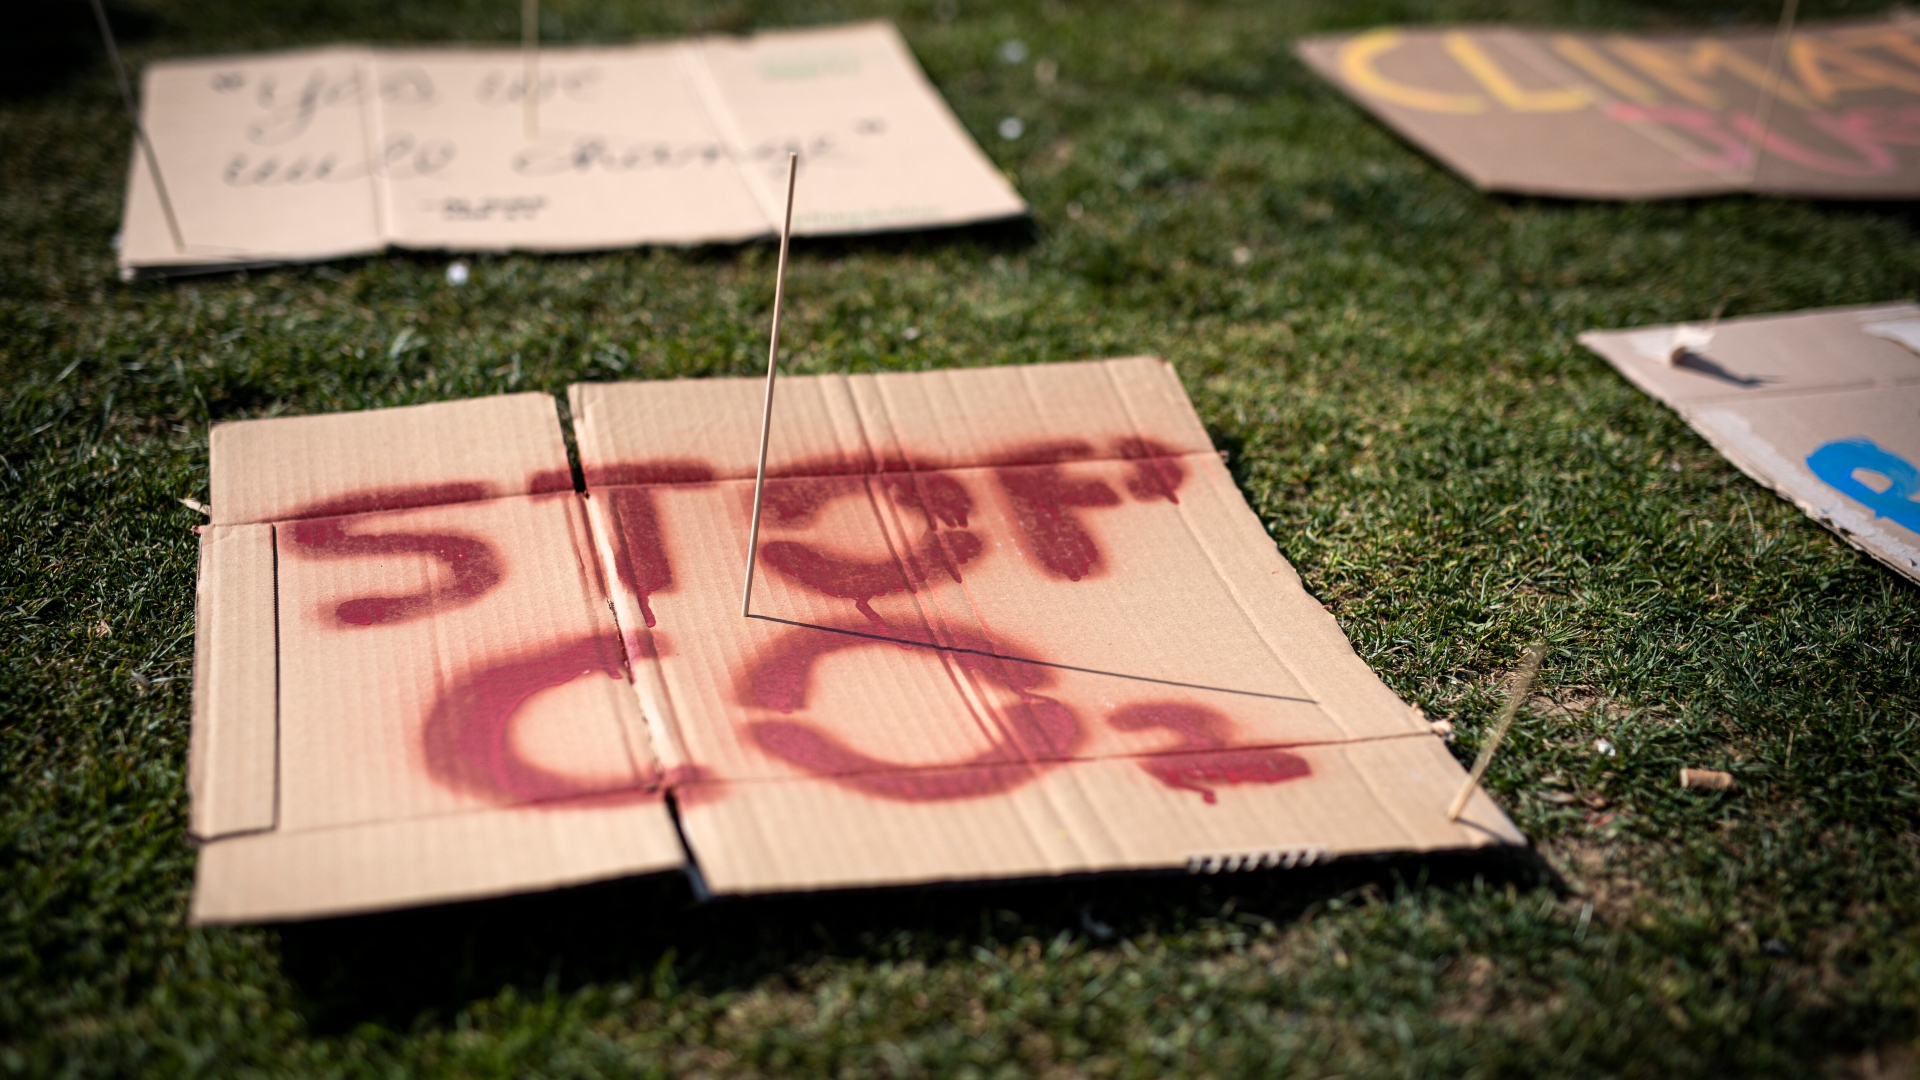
x,y
1815,405
448,713
1011,621
231,766
386,459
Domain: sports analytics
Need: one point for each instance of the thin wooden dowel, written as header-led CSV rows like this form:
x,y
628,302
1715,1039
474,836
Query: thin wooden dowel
x,y
1763,114
139,129
1516,695
530,53
773,367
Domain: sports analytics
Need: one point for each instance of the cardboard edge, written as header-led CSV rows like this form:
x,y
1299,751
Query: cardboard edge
x,y
285,877
233,745
1730,434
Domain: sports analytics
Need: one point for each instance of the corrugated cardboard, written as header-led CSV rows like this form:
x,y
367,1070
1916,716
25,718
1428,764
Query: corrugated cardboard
x,y
1823,407
321,153
1617,116
409,682
1008,622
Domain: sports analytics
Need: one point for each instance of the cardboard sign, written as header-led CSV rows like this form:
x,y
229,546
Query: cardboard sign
x,y
1614,116
1823,407
322,153
1009,622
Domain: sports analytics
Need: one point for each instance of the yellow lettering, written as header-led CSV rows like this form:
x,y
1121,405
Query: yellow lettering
x,y
1605,70
1825,69
1709,57
1356,59
1509,93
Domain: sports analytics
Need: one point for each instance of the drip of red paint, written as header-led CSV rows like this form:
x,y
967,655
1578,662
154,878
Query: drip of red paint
x,y
941,498
1202,758
1157,469
1036,730
474,566
860,581
468,734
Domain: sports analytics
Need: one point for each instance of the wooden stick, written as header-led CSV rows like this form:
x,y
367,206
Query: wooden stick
x,y
773,365
530,52
1516,694
1764,112
139,129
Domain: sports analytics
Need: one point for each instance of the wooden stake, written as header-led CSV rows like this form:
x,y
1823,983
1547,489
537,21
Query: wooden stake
x,y
1763,113
1516,694
530,52
773,366
139,129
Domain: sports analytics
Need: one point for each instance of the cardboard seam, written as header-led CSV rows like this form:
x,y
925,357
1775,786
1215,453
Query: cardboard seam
x,y
287,519
590,801
372,115
595,587
693,66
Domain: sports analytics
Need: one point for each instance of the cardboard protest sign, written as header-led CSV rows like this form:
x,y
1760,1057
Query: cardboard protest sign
x,y
1010,622
1823,407
320,153
1617,116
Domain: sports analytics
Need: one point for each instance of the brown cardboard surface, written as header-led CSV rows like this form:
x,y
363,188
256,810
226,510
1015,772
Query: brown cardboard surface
x,y
315,154
1823,407
383,459
232,762
1010,621
1613,116
448,713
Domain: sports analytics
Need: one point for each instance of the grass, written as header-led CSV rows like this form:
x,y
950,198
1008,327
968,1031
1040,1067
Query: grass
x,y
1388,356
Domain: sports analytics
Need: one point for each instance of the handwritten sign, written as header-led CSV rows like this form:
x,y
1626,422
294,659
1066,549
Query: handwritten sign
x,y
310,155
1629,116
1823,407
1014,621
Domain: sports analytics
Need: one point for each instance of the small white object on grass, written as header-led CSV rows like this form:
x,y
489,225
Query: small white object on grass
x,y
912,334
1242,256
1013,51
1604,748
456,273
1012,128
1688,339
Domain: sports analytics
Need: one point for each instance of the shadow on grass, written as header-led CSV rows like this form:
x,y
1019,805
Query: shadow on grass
x,y
1009,236
406,969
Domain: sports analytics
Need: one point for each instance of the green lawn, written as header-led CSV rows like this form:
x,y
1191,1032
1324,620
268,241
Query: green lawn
x,y
1388,356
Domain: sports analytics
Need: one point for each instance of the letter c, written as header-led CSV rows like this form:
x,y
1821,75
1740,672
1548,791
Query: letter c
x,y
1355,61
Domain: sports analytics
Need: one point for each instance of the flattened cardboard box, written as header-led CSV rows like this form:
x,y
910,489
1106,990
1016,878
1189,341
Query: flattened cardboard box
x,y
1823,407
1619,116
1008,622
321,153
